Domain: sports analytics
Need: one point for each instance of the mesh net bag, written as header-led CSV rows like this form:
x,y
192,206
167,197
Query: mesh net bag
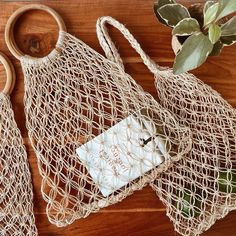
x,y
97,135
16,197
200,188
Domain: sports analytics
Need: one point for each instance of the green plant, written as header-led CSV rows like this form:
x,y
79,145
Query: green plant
x,y
227,181
188,204
206,33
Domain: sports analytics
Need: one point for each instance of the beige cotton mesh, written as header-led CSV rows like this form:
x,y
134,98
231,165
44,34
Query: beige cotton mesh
x,y
210,169
200,188
73,97
16,196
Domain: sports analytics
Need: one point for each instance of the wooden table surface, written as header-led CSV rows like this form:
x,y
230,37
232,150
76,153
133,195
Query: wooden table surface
x,y
141,214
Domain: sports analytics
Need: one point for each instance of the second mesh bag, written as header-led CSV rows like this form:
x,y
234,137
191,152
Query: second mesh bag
x,y
97,135
200,188
16,195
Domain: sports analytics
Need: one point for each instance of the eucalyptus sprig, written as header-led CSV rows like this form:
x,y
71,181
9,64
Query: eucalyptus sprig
x,y
206,34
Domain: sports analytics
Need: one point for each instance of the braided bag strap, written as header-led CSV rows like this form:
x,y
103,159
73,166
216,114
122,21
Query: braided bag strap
x,y
110,49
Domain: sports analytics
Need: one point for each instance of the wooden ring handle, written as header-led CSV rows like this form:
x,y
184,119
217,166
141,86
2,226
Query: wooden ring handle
x,y
11,74
9,30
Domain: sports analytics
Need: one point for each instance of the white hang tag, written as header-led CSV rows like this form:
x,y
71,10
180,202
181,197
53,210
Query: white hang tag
x,y
118,156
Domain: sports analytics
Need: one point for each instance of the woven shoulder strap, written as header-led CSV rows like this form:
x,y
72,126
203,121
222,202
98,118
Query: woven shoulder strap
x,y
110,48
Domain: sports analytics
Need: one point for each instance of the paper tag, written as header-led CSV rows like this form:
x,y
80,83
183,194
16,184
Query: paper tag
x,y
117,156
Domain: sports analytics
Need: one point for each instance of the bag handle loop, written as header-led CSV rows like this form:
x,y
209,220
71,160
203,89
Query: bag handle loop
x,y
110,49
10,72
9,30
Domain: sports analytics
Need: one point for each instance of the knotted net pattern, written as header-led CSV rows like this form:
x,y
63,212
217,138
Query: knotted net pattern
x,y
206,178
16,197
200,188
73,96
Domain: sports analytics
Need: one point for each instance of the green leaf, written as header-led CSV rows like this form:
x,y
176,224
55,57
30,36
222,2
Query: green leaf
x,y
194,52
226,7
159,4
207,5
188,204
217,48
214,33
228,40
186,26
229,28
172,14
210,14
227,181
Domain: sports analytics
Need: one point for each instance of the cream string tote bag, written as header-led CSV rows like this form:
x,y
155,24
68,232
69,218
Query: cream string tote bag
x,y
200,188
16,196
97,135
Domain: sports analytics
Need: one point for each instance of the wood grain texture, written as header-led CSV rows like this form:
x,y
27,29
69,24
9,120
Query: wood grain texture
x,y
141,214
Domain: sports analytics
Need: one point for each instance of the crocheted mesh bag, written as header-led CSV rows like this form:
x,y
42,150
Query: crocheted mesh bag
x,y
16,197
200,188
97,135
210,169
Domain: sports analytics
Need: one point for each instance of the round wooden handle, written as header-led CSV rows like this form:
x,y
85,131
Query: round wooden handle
x,y
9,30
11,75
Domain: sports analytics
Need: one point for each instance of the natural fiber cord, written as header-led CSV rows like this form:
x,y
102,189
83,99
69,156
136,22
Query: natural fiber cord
x,y
97,135
16,196
200,188
72,99
209,169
